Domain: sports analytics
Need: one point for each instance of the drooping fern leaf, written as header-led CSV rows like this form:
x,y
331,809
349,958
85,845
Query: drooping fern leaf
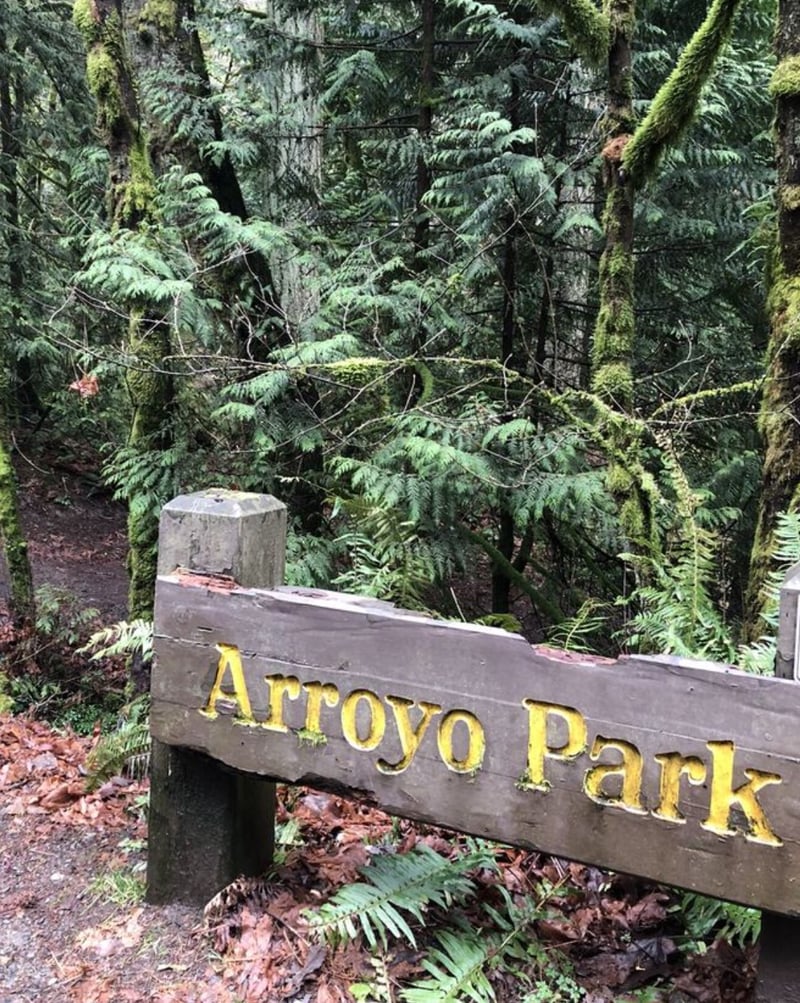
x,y
394,885
457,969
126,637
759,656
127,749
460,966
706,918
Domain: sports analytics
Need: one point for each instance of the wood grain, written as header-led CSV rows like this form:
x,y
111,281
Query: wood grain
x,y
656,707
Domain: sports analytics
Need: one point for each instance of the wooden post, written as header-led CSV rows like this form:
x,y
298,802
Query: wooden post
x,y
779,959
208,824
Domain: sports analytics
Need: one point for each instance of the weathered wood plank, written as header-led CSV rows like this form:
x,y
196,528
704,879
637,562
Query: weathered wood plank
x,y
676,772
207,823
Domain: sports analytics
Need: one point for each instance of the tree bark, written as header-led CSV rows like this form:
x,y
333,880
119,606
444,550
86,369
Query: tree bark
x,y
780,408
131,194
15,547
12,106
163,33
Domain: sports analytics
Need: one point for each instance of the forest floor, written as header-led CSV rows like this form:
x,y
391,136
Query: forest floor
x,y
74,927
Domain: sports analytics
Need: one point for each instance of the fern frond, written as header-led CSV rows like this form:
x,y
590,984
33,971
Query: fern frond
x,y
394,885
457,969
125,750
126,637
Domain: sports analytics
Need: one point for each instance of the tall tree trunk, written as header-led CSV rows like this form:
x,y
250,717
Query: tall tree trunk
x,y
131,194
512,357
614,330
613,346
427,85
15,548
296,173
780,409
164,32
413,388
630,157
12,105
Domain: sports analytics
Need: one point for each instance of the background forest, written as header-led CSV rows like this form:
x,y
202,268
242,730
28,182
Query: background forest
x,y
477,289
501,299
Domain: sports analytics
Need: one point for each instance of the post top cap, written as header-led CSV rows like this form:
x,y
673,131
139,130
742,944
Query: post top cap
x,y
223,502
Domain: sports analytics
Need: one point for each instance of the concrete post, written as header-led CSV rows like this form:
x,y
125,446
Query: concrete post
x,y
779,958
199,811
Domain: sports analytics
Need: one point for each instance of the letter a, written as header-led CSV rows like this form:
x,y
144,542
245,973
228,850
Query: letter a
x,y
229,658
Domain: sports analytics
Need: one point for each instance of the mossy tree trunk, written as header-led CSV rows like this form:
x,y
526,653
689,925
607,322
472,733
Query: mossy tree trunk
x,y
12,111
631,155
14,545
513,357
131,195
614,333
780,408
163,34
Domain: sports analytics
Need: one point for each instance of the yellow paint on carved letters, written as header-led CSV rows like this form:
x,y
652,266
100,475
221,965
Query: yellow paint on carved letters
x,y
630,771
318,693
673,767
377,720
538,748
724,796
410,736
278,687
229,661
476,741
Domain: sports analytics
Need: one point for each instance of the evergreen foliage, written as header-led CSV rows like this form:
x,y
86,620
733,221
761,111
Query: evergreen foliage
x,y
430,395
422,884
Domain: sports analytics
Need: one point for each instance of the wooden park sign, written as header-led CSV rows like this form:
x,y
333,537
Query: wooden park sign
x,y
682,772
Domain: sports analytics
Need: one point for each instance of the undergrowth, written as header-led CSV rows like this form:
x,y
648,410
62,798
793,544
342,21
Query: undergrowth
x,y
55,683
471,935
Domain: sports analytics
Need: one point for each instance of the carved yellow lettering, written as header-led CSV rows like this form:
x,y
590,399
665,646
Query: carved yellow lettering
x,y
724,796
377,720
229,660
410,737
629,770
673,767
538,747
278,687
476,741
318,693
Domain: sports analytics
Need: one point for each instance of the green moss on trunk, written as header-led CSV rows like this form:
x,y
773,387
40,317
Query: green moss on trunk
x,y
15,546
160,14
585,26
779,424
152,394
677,100
780,406
131,194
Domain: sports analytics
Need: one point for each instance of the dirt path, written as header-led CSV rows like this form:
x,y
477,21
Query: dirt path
x,y
76,537
73,928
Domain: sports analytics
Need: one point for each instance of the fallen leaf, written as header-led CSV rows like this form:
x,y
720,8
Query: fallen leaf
x,y
86,386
